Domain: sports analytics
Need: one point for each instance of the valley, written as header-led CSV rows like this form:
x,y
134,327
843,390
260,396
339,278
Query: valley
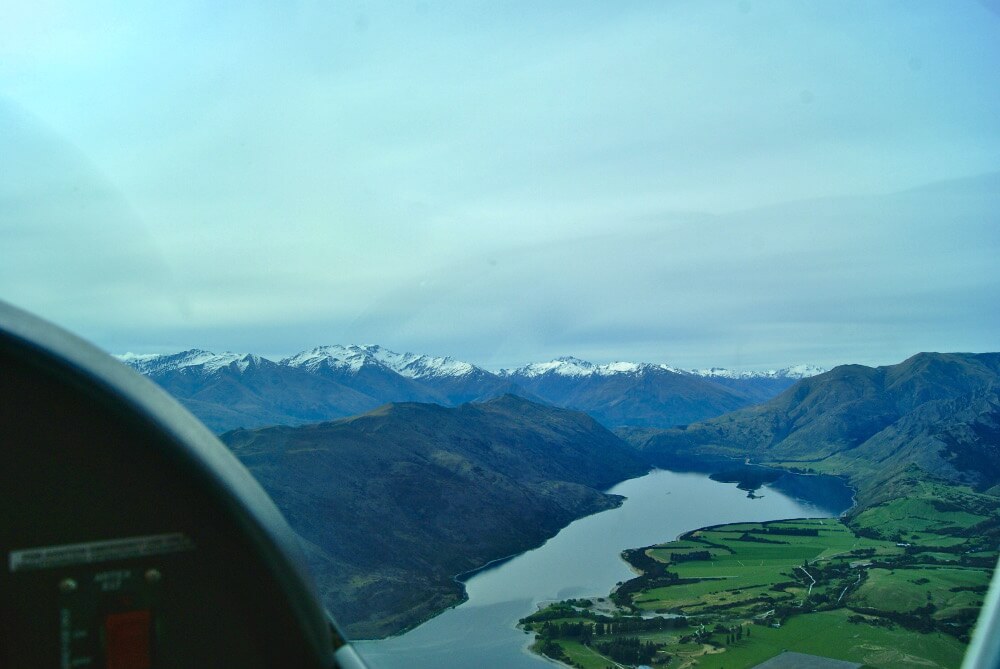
x,y
581,561
860,589
394,503
906,568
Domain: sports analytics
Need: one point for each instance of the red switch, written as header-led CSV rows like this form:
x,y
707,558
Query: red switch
x,y
128,640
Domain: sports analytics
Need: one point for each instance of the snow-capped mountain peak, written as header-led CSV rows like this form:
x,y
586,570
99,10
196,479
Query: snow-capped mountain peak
x,y
336,356
422,366
353,358
612,368
206,361
564,366
574,367
803,371
794,372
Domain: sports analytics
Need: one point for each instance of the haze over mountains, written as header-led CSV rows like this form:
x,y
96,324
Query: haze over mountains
x,y
229,390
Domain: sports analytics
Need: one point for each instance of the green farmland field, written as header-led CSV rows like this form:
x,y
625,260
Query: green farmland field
x,y
871,591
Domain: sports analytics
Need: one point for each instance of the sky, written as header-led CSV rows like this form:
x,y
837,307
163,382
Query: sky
x,y
740,183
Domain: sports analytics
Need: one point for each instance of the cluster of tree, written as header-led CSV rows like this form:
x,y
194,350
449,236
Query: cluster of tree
x,y
613,642
988,527
977,589
959,625
583,631
874,621
650,567
628,650
977,561
561,610
654,575
746,536
765,601
550,648
733,634
580,631
868,533
828,571
917,555
622,626
788,531
957,548
921,620
692,556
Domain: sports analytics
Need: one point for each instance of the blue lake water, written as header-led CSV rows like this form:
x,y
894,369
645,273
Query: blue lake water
x,y
582,560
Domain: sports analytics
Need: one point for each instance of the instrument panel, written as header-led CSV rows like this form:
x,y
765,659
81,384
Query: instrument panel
x,y
131,538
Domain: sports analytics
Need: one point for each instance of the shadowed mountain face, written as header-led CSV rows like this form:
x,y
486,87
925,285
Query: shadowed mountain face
x,y
255,391
646,395
940,412
228,391
394,503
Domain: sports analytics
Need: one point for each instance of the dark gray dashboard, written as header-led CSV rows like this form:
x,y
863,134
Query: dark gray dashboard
x,y
130,538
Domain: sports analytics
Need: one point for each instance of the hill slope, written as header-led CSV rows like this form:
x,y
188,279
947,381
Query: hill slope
x,y
394,503
938,411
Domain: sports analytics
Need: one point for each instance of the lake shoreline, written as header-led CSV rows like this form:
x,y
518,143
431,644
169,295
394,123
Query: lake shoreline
x,y
463,577
712,468
583,558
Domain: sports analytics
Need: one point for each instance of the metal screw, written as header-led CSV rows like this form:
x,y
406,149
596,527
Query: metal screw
x,y
153,576
67,585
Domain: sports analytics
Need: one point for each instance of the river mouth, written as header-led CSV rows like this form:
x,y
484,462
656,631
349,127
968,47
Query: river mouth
x,y
584,560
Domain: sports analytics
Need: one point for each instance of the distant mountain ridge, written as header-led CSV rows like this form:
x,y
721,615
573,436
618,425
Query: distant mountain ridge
x,y
570,366
231,390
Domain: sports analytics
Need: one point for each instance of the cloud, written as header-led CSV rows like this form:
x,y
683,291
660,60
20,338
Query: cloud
x,y
686,181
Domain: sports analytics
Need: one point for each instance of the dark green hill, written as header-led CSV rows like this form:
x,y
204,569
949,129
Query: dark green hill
x,y
938,411
394,503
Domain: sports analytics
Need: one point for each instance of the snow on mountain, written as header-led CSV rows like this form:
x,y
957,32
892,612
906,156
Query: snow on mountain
x,y
414,366
423,366
206,361
350,358
574,367
803,371
794,372
565,366
570,366
353,358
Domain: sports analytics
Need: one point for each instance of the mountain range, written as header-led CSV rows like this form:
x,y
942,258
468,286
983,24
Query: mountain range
x,y
391,505
229,390
938,412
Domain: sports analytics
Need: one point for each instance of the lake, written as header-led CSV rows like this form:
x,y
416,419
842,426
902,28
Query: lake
x,y
584,560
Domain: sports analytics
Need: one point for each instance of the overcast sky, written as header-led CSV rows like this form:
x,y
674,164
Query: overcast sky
x,y
741,183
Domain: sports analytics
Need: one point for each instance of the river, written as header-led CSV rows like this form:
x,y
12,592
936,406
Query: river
x,y
582,560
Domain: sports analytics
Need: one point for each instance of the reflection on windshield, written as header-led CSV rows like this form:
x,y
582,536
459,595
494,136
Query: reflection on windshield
x,y
543,249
